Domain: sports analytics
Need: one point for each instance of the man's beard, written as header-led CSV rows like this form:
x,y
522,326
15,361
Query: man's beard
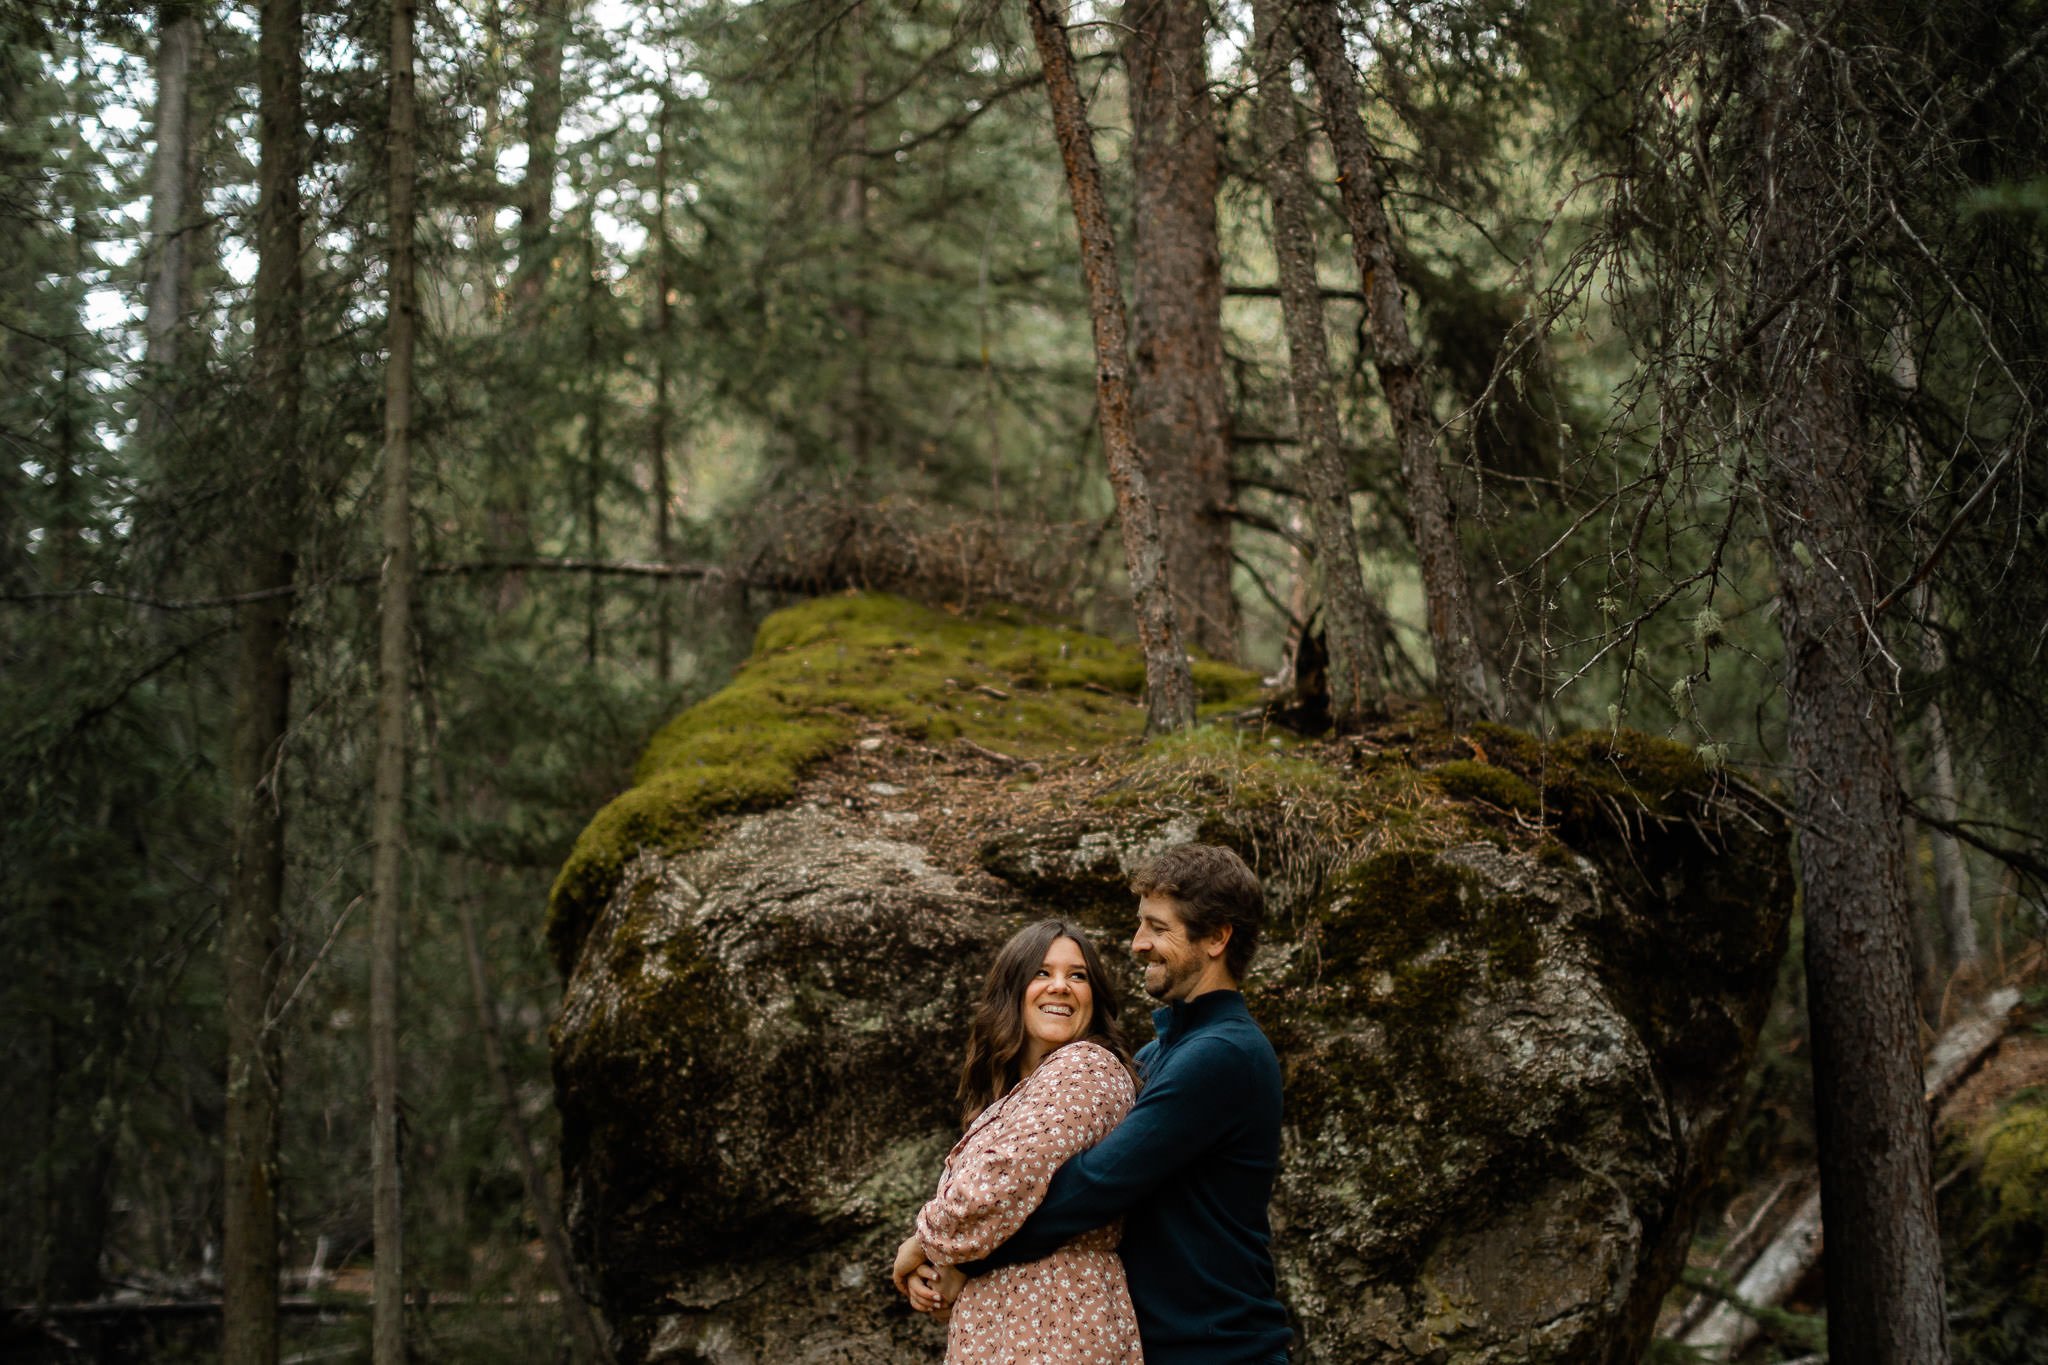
x,y
1168,981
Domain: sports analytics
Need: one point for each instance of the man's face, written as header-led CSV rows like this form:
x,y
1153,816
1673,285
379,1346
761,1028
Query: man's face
x,y
1173,964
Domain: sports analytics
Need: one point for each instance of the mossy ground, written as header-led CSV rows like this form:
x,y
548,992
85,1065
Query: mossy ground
x,y
819,670
1995,1224
1993,1192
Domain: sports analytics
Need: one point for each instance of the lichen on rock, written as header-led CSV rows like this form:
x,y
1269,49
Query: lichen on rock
x,y
1513,986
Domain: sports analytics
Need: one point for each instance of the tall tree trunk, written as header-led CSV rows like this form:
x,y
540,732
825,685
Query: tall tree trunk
x,y
516,461
1464,683
1169,683
262,710
593,439
1358,685
1884,1292
657,453
78,1147
175,220
1951,873
394,638
1179,401
172,200
66,553
857,398
489,246
543,131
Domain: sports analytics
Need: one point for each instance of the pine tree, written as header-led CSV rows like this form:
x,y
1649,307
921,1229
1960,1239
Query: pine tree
x,y
252,933
1169,684
1180,402
1358,684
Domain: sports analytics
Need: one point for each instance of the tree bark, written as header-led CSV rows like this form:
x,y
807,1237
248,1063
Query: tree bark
x,y
1179,401
483,222
543,130
593,437
67,521
1169,683
509,518
1951,873
657,454
394,652
175,233
1357,682
261,713
1463,681
172,196
1885,1300
856,398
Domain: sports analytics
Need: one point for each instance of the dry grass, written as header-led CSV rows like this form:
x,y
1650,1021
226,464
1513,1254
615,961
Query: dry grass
x,y
922,551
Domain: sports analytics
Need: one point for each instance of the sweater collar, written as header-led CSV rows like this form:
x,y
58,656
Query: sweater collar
x,y
1183,1017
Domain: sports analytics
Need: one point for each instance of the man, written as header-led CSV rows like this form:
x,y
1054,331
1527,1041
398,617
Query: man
x,y
1190,1169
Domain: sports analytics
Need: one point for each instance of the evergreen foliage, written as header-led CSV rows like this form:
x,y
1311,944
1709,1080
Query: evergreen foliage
x,y
875,328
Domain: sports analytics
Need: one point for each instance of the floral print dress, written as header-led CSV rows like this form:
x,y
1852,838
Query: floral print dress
x,y
1072,1307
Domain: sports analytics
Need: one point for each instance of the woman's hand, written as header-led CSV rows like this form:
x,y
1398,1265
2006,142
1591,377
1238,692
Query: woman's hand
x,y
909,1257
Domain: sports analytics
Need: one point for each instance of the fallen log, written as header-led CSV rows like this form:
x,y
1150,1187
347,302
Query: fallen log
x,y
1731,1325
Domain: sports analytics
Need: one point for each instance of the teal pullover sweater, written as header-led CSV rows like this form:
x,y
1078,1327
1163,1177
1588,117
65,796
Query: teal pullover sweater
x,y
1190,1170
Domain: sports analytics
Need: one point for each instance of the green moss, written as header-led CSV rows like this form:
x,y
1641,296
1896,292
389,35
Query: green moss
x,y
1501,744
1473,781
1404,936
1229,768
995,676
1389,908
1403,942
2015,1162
1994,1221
1511,934
1577,773
1631,765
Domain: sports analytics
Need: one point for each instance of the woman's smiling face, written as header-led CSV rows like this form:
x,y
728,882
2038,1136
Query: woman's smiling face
x,y
1059,1002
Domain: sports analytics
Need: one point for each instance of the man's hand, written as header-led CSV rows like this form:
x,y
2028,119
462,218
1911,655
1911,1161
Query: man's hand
x,y
909,1257
933,1288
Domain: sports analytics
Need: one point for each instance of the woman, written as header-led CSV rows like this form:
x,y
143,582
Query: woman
x,y
1047,1075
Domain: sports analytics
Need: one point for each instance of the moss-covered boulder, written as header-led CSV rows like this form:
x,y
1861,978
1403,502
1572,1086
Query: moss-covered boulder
x,y
1513,987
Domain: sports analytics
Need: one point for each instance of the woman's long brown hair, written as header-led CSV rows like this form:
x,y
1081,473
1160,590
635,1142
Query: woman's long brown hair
x,y
995,1036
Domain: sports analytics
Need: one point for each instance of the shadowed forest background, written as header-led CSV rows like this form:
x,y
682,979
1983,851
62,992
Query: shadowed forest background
x,y
394,435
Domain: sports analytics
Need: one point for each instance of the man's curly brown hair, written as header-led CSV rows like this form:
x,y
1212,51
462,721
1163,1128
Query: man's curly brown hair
x,y
1212,888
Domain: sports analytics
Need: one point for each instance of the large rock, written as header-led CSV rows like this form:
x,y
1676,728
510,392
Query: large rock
x,y
1513,989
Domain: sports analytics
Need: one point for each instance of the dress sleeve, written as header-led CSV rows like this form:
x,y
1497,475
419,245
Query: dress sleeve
x,y
993,1183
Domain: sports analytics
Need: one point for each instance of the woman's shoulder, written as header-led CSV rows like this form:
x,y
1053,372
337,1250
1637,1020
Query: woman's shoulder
x,y
1083,1058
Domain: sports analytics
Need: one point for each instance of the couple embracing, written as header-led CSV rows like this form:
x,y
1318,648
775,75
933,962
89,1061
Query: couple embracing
x,y
1071,1145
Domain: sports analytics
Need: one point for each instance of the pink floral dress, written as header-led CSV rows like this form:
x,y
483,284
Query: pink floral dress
x,y
1072,1307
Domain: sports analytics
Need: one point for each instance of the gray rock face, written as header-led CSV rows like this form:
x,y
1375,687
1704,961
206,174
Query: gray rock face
x,y
752,1065
1481,1153
1509,1071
